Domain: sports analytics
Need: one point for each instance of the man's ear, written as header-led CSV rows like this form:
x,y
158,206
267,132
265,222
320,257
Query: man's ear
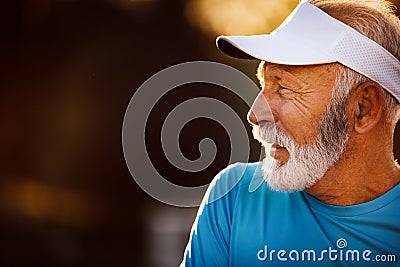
x,y
368,100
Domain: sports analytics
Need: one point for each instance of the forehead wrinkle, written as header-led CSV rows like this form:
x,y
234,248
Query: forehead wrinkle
x,y
285,72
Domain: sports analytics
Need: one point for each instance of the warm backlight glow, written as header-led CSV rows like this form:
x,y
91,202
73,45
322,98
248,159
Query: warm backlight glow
x,y
43,202
238,17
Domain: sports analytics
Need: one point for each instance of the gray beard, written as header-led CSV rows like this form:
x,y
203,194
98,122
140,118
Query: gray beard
x,y
308,163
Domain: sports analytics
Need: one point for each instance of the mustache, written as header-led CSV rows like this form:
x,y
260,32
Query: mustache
x,y
269,134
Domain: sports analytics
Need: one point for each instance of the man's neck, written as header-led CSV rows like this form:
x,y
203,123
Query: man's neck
x,y
357,177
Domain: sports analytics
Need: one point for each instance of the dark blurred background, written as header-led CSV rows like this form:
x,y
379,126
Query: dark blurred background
x,y
68,69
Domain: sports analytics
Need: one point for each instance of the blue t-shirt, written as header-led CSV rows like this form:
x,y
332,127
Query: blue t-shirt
x,y
240,226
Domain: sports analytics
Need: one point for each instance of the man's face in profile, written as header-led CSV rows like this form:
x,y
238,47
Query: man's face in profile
x,y
309,133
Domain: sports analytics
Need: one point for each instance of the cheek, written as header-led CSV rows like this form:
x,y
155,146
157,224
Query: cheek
x,y
298,121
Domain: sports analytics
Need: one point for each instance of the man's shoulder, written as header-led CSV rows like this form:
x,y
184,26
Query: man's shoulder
x,y
233,177
240,174
244,172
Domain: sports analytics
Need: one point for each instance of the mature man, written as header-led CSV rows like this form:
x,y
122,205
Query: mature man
x,y
331,77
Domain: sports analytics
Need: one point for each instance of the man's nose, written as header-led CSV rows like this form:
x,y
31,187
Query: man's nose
x,y
260,112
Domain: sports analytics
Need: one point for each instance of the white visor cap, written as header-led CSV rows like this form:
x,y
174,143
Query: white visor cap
x,y
310,36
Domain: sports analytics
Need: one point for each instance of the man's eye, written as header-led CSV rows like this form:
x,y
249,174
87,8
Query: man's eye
x,y
286,91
